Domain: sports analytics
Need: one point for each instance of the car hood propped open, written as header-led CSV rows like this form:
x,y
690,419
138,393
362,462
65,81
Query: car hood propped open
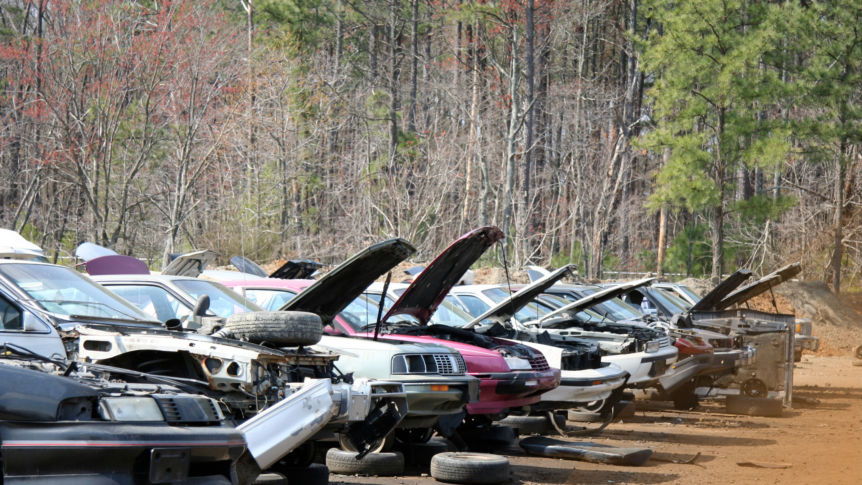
x,y
759,287
337,288
422,297
721,291
599,297
507,308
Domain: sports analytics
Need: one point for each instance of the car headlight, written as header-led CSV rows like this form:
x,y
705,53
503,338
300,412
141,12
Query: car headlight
x,y
130,409
517,363
653,346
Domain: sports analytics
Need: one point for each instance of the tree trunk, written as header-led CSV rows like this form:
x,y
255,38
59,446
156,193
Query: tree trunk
x,y
528,149
414,65
838,243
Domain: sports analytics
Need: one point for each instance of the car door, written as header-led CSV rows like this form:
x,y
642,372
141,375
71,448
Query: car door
x,y
23,328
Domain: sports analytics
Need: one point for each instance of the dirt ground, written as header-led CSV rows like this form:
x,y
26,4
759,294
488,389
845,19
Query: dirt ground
x,y
823,443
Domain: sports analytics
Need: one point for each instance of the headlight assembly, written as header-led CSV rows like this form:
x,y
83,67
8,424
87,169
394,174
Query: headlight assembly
x,y
130,409
516,363
653,346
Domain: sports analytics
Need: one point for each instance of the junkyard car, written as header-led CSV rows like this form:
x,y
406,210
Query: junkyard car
x,y
66,422
290,396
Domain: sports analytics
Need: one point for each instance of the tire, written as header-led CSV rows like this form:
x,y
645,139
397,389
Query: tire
x,y
628,396
381,446
451,448
420,454
858,352
379,464
685,398
528,425
624,410
797,356
469,468
314,474
857,363
270,479
279,328
580,417
754,406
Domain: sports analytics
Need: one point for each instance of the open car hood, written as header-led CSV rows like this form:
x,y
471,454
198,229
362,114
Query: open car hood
x,y
189,264
295,269
14,246
721,291
760,286
88,251
337,288
422,297
507,308
599,297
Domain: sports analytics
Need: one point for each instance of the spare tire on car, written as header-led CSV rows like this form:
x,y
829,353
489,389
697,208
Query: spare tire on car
x,y
469,468
278,328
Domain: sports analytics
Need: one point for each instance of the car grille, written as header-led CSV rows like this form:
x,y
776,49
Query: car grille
x,y
445,364
665,342
188,409
539,363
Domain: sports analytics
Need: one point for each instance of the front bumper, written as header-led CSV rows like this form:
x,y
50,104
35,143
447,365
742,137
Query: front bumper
x,y
504,390
97,453
645,369
807,342
583,386
423,402
716,364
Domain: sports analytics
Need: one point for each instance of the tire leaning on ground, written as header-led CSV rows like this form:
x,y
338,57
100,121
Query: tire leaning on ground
x,y
469,468
858,352
279,328
314,474
754,406
380,464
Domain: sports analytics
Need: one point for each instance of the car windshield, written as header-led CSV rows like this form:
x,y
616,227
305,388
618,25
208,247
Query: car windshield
x,y
666,300
63,291
675,300
362,312
685,289
528,313
447,313
269,299
618,309
223,302
585,316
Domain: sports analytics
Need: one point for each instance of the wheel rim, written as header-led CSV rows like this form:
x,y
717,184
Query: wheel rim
x,y
346,445
754,388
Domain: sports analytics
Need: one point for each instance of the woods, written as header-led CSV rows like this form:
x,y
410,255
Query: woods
x,y
619,135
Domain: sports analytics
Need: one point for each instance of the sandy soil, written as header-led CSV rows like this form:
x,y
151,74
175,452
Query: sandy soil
x,y
823,443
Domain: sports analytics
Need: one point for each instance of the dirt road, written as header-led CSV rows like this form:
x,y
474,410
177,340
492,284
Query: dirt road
x,y
823,443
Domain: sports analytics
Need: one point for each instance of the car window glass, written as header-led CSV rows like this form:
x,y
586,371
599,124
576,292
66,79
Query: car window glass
x,y
694,296
223,301
454,301
63,291
474,305
271,300
10,317
155,301
450,314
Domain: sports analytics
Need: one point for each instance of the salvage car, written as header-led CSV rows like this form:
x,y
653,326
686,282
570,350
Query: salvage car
x,y
67,422
297,393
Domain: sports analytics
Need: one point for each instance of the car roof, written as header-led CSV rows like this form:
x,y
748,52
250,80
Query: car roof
x,y
269,283
143,278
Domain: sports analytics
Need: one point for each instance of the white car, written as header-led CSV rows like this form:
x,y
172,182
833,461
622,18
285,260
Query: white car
x,y
647,355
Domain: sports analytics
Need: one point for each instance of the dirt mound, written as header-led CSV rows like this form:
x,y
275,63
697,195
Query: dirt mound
x,y
764,303
398,274
701,287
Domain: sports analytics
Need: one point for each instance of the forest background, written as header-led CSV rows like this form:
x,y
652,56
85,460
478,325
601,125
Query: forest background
x,y
619,135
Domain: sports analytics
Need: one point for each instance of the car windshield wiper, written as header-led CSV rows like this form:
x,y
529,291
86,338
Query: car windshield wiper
x,y
10,348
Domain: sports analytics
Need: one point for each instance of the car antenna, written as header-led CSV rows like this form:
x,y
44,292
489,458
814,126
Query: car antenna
x,y
382,301
506,268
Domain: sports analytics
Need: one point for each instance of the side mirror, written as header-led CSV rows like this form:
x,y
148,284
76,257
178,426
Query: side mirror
x,y
201,307
31,324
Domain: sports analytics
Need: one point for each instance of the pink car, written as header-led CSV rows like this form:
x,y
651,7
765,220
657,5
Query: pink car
x,y
512,374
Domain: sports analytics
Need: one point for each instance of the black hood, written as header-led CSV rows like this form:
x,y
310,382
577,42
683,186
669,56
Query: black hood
x,y
723,289
337,288
760,286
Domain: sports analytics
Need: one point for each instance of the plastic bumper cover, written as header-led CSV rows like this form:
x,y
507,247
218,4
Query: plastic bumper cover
x,y
578,387
504,390
422,401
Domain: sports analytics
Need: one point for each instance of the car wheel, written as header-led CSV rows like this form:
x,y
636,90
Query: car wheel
x,y
381,446
858,352
380,464
581,417
469,468
279,328
753,406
